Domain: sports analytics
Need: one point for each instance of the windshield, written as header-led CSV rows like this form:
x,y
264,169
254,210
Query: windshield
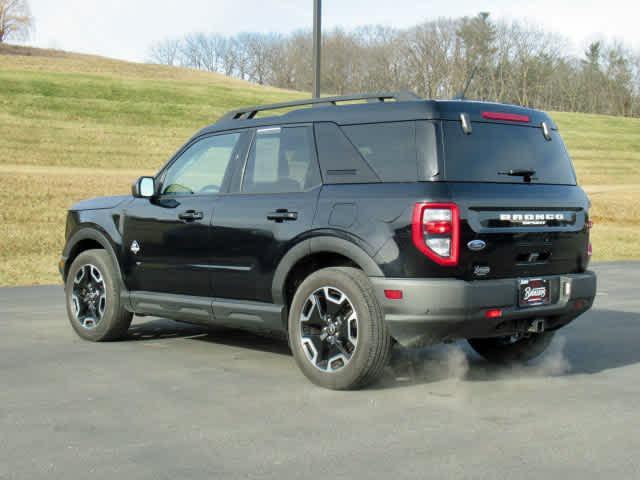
x,y
496,152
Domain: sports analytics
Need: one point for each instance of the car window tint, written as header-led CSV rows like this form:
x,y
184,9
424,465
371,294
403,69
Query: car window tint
x,y
340,161
390,148
281,160
201,168
494,148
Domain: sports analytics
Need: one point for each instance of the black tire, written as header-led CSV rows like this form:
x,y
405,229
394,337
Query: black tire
x,y
371,353
499,350
114,321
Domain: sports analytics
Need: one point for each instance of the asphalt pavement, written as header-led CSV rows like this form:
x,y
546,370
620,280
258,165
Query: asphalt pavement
x,y
177,402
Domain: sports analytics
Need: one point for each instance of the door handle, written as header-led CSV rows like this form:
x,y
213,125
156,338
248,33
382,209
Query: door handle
x,y
282,215
190,215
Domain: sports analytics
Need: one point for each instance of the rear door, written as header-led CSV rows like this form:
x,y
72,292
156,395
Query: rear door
x,y
167,237
517,190
272,203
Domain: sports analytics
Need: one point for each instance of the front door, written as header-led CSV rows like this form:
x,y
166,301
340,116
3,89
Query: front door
x,y
167,237
273,204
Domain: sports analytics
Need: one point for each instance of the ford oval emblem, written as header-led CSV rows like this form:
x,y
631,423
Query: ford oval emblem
x,y
476,245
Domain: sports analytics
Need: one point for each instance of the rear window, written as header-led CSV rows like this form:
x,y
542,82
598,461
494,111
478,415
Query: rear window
x,y
492,148
397,151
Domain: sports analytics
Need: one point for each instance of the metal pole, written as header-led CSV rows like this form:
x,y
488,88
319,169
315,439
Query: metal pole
x,y
317,44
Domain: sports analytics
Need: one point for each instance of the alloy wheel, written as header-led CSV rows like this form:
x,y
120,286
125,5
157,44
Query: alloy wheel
x,y
328,329
89,296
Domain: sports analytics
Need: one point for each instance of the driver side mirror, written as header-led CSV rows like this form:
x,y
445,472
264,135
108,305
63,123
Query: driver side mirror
x,y
144,187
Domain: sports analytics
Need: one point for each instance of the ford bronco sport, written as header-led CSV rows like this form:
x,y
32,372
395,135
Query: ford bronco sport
x,y
359,222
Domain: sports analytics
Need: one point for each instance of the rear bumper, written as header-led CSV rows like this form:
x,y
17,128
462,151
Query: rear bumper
x,y
435,310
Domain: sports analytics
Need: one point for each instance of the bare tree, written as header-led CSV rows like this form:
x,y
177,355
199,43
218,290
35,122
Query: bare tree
x,y
258,49
229,56
165,52
618,70
635,61
512,62
299,49
15,19
380,67
191,54
478,40
341,55
212,51
433,54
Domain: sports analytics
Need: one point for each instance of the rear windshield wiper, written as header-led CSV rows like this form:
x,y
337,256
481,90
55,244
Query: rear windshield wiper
x,y
526,174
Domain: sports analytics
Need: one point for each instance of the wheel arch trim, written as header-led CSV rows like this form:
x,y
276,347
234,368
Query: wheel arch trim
x,y
320,244
89,233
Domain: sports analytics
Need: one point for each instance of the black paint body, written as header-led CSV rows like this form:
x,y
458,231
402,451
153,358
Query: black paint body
x,y
234,253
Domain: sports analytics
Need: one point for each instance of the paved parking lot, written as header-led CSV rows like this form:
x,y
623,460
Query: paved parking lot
x,y
178,402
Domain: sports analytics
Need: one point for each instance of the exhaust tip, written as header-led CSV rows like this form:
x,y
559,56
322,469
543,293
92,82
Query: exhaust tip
x,y
537,326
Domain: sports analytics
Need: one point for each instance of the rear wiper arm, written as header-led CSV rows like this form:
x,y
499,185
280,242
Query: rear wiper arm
x,y
526,174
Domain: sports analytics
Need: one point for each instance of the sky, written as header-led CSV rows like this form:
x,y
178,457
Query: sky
x,y
125,29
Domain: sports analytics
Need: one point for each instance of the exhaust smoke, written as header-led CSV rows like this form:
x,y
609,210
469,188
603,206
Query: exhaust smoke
x,y
456,362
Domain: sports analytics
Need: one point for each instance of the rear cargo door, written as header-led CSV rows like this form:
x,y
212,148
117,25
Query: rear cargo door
x,y
522,213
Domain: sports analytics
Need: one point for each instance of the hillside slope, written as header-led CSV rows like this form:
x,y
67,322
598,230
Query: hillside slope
x,y
75,126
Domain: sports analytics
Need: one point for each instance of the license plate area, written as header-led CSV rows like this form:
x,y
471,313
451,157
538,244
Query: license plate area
x,y
534,292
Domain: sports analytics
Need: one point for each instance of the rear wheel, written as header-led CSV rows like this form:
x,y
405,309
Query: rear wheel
x,y
93,298
512,349
337,330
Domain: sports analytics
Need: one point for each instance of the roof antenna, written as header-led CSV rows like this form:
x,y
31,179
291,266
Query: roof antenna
x,y
460,95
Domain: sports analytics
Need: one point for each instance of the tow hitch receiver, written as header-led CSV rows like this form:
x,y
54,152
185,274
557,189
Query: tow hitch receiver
x,y
537,326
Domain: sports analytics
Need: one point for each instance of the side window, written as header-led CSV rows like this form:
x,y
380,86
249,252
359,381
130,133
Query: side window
x,y
339,159
281,160
201,168
390,148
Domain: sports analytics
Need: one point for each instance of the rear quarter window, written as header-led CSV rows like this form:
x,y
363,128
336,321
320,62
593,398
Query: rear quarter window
x,y
397,151
493,147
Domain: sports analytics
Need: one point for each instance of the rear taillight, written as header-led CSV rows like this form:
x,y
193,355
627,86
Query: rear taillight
x,y
436,231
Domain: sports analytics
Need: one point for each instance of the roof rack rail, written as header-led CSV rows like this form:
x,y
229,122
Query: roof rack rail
x,y
250,112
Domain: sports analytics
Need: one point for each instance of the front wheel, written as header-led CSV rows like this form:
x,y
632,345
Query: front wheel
x,y
337,330
512,349
93,298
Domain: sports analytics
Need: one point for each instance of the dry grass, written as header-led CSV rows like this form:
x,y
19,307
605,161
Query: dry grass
x,y
616,215
33,214
604,149
79,126
29,59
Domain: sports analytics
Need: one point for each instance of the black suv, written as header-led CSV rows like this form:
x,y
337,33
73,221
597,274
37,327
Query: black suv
x,y
362,221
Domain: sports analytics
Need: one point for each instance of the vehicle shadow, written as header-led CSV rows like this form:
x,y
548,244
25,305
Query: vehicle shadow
x,y
599,340
162,329
243,339
144,329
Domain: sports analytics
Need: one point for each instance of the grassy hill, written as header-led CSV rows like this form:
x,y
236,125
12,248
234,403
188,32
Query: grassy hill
x,y
75,126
